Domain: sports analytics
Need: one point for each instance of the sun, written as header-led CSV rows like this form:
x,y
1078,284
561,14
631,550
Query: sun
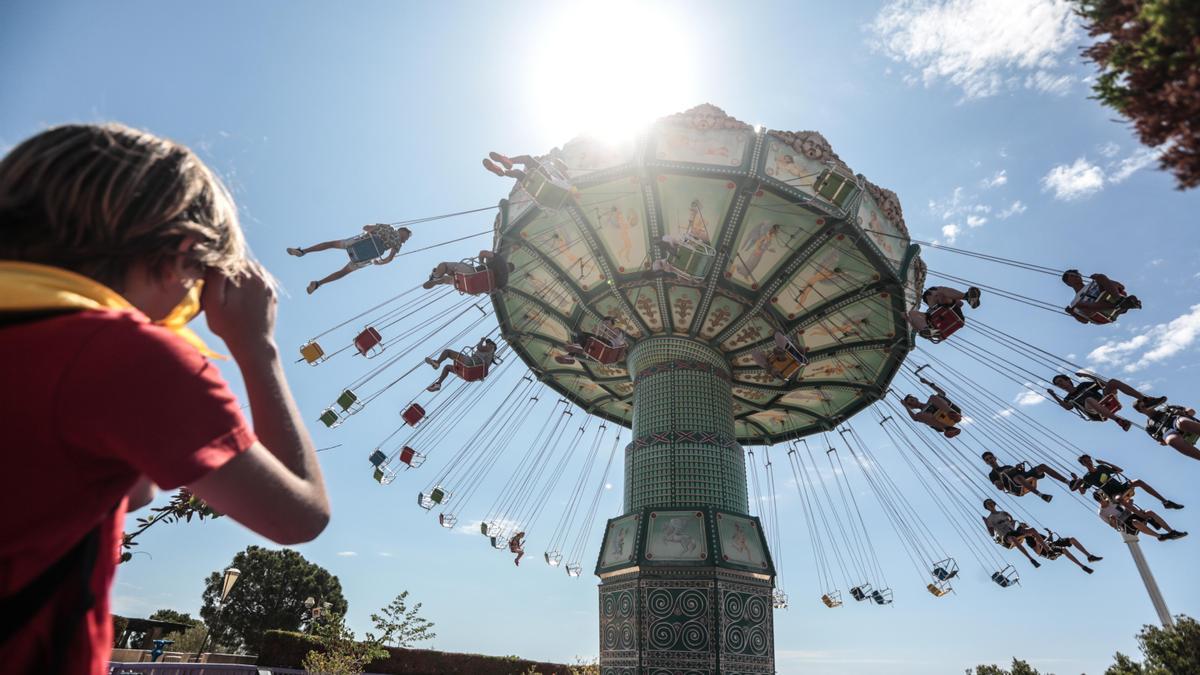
x,y
606,69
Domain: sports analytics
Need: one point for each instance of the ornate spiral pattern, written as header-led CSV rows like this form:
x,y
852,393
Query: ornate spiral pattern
x,y
691,603
756,609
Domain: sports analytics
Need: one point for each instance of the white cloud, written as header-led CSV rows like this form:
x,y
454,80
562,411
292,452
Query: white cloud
x,y
1109,149
1159,343
1140,159
1028,398
1016,209
1070,182
980,46
997,179
950,232
975,221
1049,83
347,554
386,554
1007,412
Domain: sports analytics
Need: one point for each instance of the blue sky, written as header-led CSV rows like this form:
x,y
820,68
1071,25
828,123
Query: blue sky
x,y
977,114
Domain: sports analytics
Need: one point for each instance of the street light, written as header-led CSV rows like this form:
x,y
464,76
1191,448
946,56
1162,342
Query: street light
x,y
231,577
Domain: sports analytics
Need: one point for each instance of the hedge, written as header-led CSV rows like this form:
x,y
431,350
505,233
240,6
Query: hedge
x,y
285,649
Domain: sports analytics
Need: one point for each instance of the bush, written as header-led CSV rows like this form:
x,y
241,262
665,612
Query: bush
x,y
285,649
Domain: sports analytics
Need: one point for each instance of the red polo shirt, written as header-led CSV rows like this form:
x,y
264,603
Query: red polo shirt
x,y
90,401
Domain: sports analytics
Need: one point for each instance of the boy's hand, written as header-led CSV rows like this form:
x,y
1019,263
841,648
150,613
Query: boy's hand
x,y
241,310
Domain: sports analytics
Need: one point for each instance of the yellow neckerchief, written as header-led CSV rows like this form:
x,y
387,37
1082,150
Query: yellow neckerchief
x,y
30,287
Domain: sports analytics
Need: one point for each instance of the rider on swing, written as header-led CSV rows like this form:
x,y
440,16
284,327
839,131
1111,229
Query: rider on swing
x,y
1127,518
1007,532
937,412
1109,479
363,249
1052,546
487,260
1085,397
1017,481
517,545
1099,301
606,332
1174,425
785,360
936,297
483,354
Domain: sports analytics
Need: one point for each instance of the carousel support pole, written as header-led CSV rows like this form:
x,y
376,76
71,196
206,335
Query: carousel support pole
x,y
1160,605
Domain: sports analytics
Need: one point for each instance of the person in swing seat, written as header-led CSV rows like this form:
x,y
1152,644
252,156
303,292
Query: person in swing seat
x,y
936,297
1101,300
1086,396
483,354
607,332
1017,481
1172,425
1052,547
517,545
1110,479
364,249
937,412
1007,532
784,359
1127,518
488,260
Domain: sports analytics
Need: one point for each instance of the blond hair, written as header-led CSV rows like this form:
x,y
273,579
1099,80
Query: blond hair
x,y
99,199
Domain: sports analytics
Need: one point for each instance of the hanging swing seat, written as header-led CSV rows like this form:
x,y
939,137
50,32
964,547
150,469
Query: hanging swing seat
x,y
383,475
692,259
413,414
602,352
945,570
553,558
833,599
882,596
1006,577
835,187
943,322
447,520
860,593
369,342
574,569
779,599
479,282
788,365
938,589
348,402
312,353
330,418
483,529
498,542
436,496
946,417
470,371
547,186
411,457
1119,307
378,458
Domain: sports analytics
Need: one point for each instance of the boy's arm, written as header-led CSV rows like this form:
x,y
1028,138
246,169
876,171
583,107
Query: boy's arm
x,y
141,494
275,488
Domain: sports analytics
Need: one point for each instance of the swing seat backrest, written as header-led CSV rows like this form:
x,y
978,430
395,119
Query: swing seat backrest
x,y
601,352
835,187
378,458
943,322
785,367
470,372
1110,403
347,400
475,283
312,353
368,343
692,258
330,418
547,188
937,590
438,495
447,520
413,414
410,457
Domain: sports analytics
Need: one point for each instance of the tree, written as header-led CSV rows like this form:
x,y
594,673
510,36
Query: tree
x,y
269,594
340,653
188,640
1019,667
1149,61
1167,651
400,626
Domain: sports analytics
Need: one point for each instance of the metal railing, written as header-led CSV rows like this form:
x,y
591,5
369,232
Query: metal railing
x,y
197,669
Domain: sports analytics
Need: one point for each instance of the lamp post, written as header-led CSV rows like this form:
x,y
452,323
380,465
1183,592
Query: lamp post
x,y
231,577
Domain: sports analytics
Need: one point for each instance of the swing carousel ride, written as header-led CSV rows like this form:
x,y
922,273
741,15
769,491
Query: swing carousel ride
x,y
725,292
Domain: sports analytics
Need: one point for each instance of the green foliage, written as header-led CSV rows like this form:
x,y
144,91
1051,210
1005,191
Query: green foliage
x,y
269,594
189,640
1019,667
1166,651
339,653
1149,60
175,617
400,626
183,506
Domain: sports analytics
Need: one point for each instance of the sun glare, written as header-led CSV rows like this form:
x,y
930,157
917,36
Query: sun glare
x,y
607,69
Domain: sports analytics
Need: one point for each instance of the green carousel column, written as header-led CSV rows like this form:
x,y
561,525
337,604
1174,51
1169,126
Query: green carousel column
x,y
686,577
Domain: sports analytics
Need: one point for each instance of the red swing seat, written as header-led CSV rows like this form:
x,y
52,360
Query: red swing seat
x,y
601,351
1110,403
943,322
369,343
470,372
474,283
411,457
413,414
